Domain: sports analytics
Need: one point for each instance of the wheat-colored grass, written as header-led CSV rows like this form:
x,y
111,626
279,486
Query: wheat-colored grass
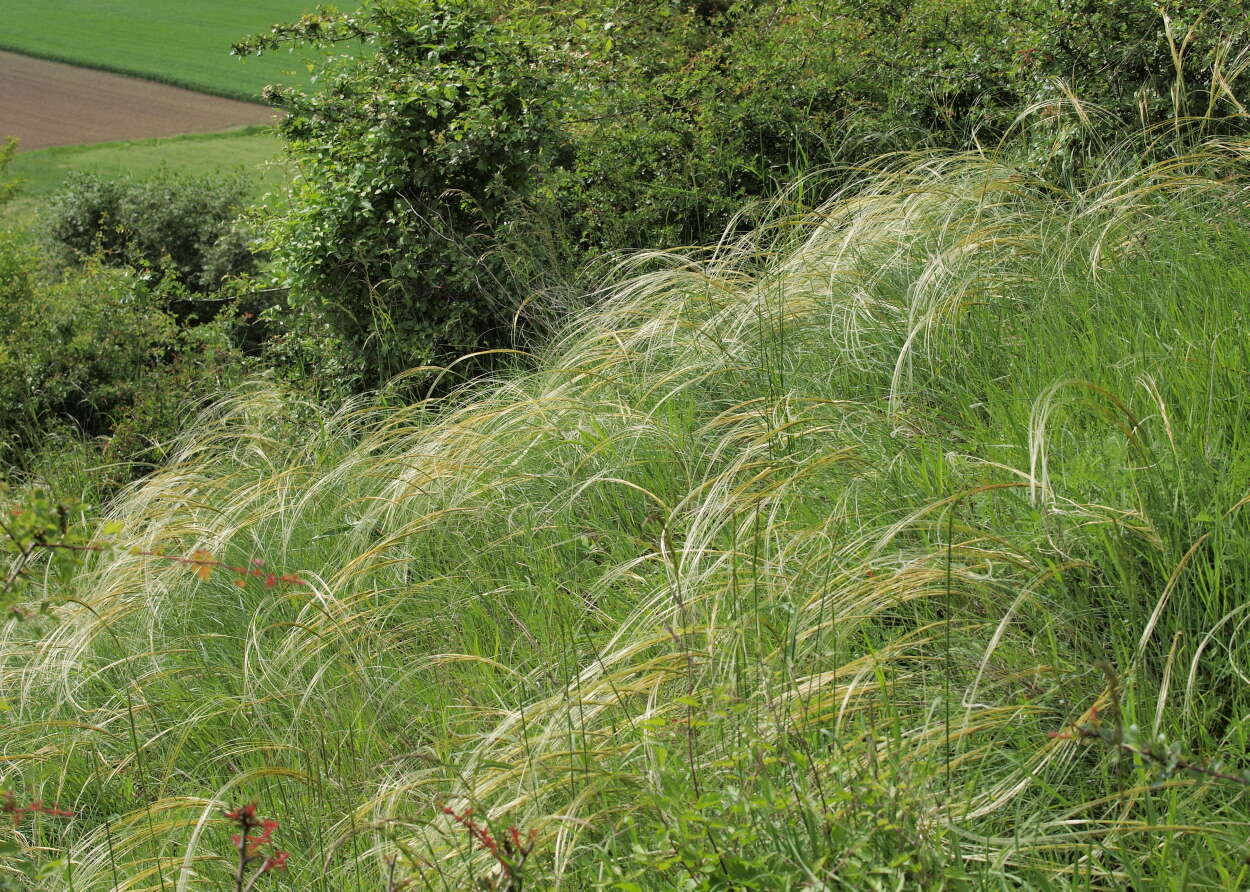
x,y
774,571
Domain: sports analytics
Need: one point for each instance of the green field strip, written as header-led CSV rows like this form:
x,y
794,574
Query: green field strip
x,y
179,43
255,151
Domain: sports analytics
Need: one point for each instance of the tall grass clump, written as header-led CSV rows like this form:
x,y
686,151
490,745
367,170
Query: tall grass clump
x,y
899,547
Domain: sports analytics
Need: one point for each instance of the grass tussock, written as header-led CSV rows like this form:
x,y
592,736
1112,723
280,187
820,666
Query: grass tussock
x,y
904,546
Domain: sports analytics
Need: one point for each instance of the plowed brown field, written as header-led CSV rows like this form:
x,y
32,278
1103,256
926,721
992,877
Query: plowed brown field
x,y
50,104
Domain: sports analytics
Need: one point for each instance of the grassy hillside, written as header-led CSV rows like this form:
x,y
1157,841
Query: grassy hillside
x,y
903,547
254,149
186,44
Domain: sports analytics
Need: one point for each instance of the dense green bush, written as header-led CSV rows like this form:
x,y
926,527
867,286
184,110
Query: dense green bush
x,y
754,97
8,188
171,225
965,70
740,106
112,341
469,140
96,354
202,364
75,351
407,159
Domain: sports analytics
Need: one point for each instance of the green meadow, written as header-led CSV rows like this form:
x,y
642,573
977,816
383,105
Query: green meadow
x,y
820,460
900,546
184,44
254,151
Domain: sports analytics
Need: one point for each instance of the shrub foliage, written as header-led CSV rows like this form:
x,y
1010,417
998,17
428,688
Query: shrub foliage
x,y
408,157
460,123
96,352
172,225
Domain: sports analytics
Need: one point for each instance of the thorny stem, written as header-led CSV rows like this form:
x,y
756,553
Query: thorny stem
x,y
249,847
9,805
201,561
208,562
1116,739
510,854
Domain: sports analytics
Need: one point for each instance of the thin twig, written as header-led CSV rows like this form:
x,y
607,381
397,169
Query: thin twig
x,y
1084,732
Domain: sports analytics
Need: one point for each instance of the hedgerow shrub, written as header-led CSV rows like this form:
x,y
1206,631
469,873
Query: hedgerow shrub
x,y
96,354
408,157
171,226
8,187
202,363
111,342
766,92
431,161
965,70
76,350
719,111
